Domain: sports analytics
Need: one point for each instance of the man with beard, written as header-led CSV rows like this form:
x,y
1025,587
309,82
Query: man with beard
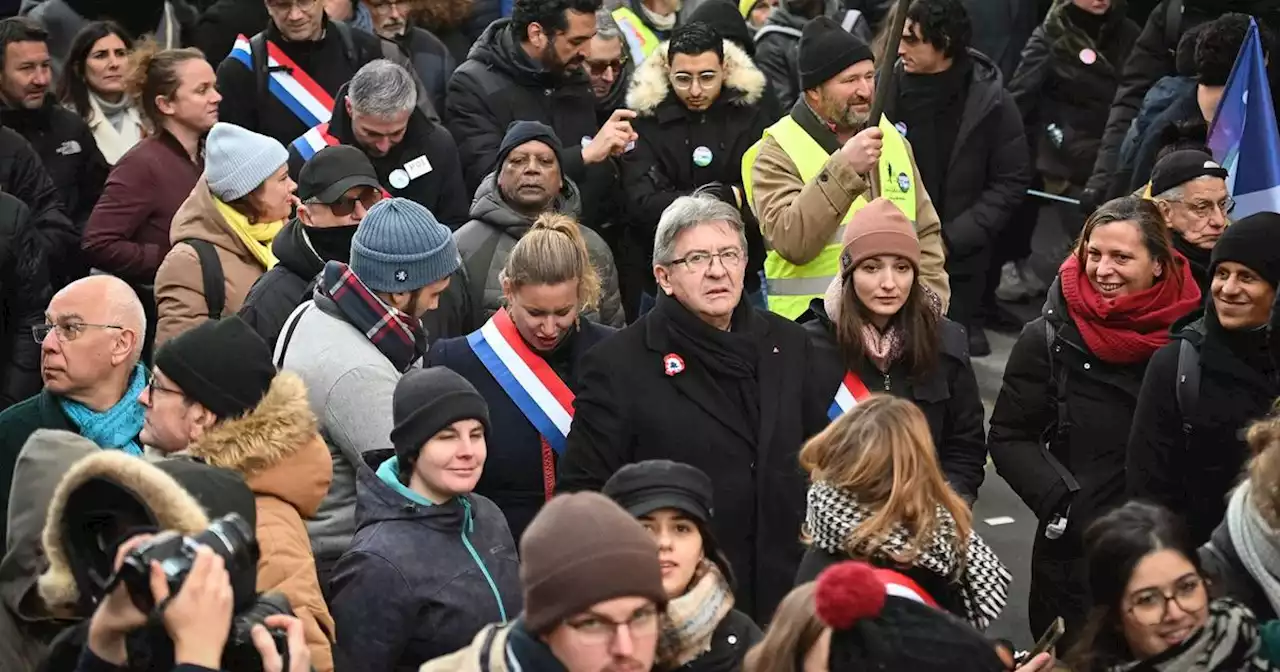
x,y
529,67
430,57
414,156
60,137
776,42
821,163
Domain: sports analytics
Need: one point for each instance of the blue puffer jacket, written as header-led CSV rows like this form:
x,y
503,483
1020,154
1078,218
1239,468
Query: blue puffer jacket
x,y
419,580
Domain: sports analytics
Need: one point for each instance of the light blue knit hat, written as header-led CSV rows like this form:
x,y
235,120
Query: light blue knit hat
x,y
401,247
237,160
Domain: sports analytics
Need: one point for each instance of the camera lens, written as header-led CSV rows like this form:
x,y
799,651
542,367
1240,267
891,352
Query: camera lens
x,y
231,537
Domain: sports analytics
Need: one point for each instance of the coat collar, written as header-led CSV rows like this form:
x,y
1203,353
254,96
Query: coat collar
x,y
650,85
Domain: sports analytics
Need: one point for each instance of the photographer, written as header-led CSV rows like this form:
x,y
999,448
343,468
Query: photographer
x,y
205,596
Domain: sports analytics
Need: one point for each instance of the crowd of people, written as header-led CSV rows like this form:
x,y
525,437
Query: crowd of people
x,y
545,335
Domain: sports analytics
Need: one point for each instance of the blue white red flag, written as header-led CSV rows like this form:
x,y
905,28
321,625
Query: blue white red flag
x,y
1244,136
850,392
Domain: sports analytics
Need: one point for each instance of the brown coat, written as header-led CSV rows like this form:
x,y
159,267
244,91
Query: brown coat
x,y
286,464
798,219
180,297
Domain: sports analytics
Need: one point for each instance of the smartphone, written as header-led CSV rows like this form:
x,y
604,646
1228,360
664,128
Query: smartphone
x,y
1048,639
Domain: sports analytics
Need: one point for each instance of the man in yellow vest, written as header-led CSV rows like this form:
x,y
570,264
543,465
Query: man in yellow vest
x,y
821,163
645,24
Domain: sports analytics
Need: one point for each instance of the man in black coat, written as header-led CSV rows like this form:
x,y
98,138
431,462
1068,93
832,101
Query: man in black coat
x,y
528,68
24,291
59,136
316,51
430,58
778,41
974,164
1152,58
698,105
22,175
706,379
414,156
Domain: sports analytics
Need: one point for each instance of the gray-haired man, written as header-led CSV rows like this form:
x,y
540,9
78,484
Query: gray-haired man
x,y
415,157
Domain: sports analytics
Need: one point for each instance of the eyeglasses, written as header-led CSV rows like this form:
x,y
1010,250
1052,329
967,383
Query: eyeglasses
x,y
684,80
67,331
1202,209
599,630
156,387
304,5
700,262
343,207
1151,606
598,69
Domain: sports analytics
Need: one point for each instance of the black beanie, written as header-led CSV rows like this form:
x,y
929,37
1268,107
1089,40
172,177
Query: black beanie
x,y
725,18
826,50
223,364
1253,241
520,132
428,400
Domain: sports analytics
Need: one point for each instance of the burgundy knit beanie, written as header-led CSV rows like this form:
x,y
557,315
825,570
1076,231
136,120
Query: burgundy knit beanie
x,y
582,549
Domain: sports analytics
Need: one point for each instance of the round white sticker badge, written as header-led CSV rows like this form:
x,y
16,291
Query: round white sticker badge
x,y
398,178
1088,56
702,156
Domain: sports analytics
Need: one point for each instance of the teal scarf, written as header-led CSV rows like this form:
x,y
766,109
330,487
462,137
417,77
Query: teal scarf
x,y
117,427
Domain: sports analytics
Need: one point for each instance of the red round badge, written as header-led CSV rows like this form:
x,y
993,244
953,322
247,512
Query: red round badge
x,y
672,364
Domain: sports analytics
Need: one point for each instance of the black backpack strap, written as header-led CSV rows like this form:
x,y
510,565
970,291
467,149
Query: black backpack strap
x,y
348,42
282,346
215,291
484,649
1188,391
478,276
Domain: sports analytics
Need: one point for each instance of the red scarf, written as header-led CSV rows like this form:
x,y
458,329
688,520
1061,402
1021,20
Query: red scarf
x,y
1128,329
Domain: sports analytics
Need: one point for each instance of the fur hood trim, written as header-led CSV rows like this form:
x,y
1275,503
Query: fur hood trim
x,y
279,426
171,504
650,86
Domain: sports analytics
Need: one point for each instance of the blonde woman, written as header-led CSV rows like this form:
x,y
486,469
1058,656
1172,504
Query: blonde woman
x,y
877,494
523,362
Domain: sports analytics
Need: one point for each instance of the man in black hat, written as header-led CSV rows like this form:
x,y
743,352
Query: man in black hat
x,y
825,160
1190,189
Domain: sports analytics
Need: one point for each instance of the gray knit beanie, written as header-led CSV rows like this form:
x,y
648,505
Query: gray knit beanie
x,y
401,247
237,160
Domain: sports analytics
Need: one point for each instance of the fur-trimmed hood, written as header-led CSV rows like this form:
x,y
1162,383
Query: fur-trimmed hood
x,y
276,447
650,84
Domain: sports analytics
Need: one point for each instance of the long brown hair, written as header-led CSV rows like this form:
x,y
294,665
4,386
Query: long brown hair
x,y
916,319
794,630
881,451
552,252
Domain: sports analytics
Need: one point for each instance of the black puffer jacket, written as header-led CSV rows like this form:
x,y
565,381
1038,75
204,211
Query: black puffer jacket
x,y
23,175
1187,459
24,292
499,84
778,48
66,147
1058,435
1055,88
664,164
948,395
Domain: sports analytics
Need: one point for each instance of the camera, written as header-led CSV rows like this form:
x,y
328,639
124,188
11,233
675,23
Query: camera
x,y
240,654
229,536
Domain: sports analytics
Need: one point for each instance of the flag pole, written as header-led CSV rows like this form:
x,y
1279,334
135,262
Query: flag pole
x,y
885,82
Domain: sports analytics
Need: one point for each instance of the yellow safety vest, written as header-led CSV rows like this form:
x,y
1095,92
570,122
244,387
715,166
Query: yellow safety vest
x,y
640,40
790,287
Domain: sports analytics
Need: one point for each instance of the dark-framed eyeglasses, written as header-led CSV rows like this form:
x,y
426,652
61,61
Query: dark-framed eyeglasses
x,y
1151,606
601,630
598,68
154,387
344,206
700,262
284,6
67,331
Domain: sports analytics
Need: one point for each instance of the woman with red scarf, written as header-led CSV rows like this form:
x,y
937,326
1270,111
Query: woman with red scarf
x,y
1061,423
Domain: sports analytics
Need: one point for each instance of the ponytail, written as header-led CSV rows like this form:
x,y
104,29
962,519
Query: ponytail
x,y
552,252
154,72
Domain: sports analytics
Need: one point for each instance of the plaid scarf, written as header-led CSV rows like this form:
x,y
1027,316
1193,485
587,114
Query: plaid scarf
x,y
983,580
691,619
399,337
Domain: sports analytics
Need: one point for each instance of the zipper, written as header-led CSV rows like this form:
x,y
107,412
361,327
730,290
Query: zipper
x,y
887,384
468,524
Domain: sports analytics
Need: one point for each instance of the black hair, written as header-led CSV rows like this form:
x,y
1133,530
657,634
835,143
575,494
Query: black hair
x,y
1217,47
696,38
1114,545
19,29
711,549
1191,134
944,24
1185,56
73,90
552,15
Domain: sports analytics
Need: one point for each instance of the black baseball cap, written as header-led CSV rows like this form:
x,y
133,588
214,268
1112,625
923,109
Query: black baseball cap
x,y
645,487
1182,166
333,171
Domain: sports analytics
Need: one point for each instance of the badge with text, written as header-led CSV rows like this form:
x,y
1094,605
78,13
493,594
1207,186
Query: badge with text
x,y
702,156
398,178
672,364
418,167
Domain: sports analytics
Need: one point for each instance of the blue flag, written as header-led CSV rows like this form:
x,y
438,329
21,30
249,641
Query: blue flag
x,y
1243,137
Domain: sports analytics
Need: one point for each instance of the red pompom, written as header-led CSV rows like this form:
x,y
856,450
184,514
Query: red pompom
x,y
848,592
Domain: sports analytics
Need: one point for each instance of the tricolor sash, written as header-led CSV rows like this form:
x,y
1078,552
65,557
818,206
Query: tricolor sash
x,y
526,378
291,86
314,140
851,392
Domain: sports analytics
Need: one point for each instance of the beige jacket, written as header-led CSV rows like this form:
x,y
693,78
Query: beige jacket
x,y
798,219
180,298
286,464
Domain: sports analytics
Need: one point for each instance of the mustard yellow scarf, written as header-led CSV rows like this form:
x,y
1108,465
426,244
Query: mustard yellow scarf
x,y
256,237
